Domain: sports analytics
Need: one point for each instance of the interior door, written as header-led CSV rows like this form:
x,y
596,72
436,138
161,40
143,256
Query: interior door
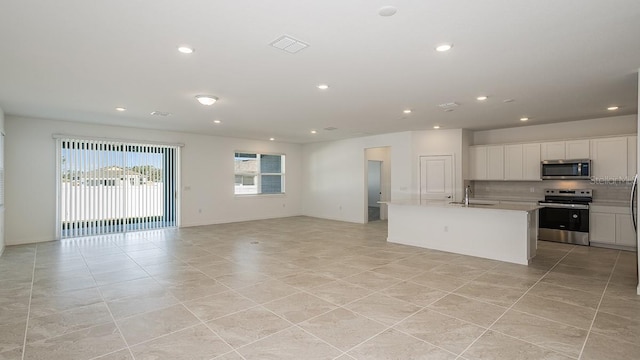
x,y
436,177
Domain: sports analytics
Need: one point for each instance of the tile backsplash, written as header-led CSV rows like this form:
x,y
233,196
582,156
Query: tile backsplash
x,y
534,190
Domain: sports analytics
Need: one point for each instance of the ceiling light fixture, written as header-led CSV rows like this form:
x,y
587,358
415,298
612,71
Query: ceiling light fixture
x,y
217,121
524,119
436,127
323,86
206,99
444,47
314,132
613,108
121,109
272,139
186,49
481,98
407,111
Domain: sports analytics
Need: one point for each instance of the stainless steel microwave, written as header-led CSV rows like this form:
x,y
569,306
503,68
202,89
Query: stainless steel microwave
x,y
566,169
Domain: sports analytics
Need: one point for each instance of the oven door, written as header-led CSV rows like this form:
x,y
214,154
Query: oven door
x,y
567,223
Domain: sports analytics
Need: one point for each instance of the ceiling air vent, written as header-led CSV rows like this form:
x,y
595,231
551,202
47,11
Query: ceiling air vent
x,y
450,106
331,128
288,44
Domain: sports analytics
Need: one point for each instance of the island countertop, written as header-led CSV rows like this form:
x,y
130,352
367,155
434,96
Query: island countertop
x,y
475,205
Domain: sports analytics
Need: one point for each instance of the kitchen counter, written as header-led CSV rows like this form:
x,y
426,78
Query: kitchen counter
x,y
473,204
505,232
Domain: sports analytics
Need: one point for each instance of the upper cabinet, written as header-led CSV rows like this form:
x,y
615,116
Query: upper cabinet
x,y
495,162
552,150
561,150
632,156
478,162
577,149
610,157
522,162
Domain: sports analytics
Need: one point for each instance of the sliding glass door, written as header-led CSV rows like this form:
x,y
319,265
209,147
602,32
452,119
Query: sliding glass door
x,y
111,187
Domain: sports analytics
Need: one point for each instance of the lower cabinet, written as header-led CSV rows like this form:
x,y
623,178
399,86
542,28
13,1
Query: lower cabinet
x,y
611,226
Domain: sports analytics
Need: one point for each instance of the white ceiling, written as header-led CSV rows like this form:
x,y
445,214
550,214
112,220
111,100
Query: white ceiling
x,y
78,60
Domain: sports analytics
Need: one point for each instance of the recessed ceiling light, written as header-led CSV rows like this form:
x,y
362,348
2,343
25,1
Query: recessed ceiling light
x,y
407,111
387,11
206,99
186,49
613,108
272,139
444,47
436,127
314,132
524,119
217,121
481,98
323,86
121,109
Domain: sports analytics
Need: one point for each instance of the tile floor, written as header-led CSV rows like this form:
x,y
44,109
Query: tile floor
x,y
304,288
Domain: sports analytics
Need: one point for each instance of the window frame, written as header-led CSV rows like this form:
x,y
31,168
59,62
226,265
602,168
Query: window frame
x,y
259,174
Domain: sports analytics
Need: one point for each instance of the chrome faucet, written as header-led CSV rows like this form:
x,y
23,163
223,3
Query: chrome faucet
x,y
467,190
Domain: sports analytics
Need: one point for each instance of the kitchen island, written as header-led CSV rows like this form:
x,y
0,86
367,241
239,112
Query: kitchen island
x,y
505,232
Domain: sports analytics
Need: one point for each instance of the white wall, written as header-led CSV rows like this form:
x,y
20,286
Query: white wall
x,y
616,125
438,142
206,168
334,175
2,152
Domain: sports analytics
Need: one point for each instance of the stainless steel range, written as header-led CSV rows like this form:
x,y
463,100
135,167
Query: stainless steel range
x,y
565,216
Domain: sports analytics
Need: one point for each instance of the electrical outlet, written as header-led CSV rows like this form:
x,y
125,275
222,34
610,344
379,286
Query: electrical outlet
x,y
532,189
446,229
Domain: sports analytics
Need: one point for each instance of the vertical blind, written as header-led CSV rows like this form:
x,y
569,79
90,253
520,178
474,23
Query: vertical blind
x,y
110,187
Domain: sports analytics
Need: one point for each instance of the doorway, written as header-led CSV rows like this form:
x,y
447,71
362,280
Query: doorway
x,y
114,187
436,177
374,189
377,183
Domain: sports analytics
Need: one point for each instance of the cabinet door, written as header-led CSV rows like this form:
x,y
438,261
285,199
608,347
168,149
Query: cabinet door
x,y
602,228
632,156
495,162
513,162
478,162
531,161
624,231
609,157
577,149
553,150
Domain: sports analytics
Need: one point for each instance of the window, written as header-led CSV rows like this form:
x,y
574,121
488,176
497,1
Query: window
x,y
259,173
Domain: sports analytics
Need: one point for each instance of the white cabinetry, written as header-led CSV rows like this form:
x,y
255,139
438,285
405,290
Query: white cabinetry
x,y
486,162
576,149
495,162
609,157
478,162
561,150
611,226
552,150
522,162
632,156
